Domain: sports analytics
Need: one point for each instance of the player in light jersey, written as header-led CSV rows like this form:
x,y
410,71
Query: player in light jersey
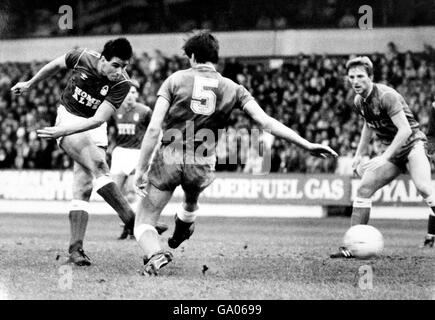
x,y
386,113
96,88
131,121
191,107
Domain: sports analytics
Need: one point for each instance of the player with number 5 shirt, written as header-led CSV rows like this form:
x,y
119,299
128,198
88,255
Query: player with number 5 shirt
x,y
191,107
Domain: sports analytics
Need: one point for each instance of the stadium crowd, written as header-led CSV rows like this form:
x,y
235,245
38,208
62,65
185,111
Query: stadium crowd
x,y
308,93
93,17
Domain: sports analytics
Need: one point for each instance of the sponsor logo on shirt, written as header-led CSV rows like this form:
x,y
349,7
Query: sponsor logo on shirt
x,y
85,98
126,128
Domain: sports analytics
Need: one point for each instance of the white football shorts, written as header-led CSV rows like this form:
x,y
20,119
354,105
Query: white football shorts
x,y
97,135
124,160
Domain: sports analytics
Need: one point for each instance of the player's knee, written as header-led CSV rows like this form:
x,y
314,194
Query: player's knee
x,y
424,188
100,166
131,196
83,191
190,206
365,191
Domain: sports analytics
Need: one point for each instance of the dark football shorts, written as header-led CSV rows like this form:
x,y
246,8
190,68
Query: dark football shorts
x,y
170,169
401,158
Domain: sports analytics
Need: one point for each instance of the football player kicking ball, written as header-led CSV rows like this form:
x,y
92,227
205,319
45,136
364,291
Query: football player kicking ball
x,y
190,104
95,89
131,121
386,113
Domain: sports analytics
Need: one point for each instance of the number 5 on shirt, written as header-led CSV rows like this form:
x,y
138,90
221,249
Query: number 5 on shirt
x,y
203,98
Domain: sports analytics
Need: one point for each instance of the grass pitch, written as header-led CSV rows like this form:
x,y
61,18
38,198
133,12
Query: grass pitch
x,y
226,258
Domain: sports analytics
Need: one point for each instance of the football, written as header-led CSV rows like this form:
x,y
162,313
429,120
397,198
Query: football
x,y
364,241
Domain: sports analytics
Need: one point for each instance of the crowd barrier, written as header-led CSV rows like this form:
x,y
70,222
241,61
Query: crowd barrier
x,y
230,195
276,43
229,188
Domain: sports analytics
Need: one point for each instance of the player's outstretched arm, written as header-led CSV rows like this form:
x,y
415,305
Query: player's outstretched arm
x,y
281,131
46,71
103,114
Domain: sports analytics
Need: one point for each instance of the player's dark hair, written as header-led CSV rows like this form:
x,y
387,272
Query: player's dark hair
x,y
204,46
360,62
120,48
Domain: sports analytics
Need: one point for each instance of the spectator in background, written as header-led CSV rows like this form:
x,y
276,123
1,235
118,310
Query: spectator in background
x,y
306,93
348,20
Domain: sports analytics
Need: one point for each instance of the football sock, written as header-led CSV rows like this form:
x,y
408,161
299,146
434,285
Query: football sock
x,y
361,211
187,216
431,225
110,192
430,201
147,237
78,218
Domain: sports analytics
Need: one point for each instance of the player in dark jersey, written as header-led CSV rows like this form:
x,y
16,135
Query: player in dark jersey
x,y
131,121
386,113
191,107
431,131
96,88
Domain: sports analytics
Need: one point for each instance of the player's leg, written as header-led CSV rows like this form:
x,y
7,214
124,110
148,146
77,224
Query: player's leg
x,y
145,232
371,181
117,168
120,180
196,178
119,176
419,169
83,150
78,215
163,178
129,191
185,218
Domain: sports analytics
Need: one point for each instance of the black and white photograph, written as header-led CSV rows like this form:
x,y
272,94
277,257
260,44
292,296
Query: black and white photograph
x,y
229,151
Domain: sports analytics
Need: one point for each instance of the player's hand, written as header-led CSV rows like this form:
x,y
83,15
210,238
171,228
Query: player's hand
x,y
375,163
355,164
20,88
321,151
50,132
140,182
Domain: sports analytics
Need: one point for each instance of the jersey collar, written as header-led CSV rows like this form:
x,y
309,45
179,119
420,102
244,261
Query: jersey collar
x,y
370,95
203,65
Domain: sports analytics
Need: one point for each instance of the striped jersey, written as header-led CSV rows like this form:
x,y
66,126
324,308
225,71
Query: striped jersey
x,y
86,89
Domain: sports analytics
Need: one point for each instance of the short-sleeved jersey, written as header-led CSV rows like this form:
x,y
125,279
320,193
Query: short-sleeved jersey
x,y
378,108
200,98
86,89
131,125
